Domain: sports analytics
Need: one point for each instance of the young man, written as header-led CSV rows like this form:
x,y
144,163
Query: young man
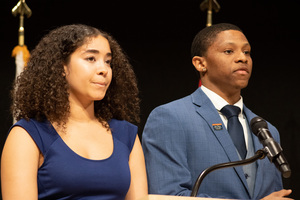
x,y
184,137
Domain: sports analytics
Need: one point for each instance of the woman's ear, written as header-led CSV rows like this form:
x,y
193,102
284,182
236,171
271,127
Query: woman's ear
x,y
66,71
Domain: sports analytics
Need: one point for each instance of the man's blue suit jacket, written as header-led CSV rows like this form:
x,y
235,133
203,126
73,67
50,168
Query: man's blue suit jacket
x,y
179,142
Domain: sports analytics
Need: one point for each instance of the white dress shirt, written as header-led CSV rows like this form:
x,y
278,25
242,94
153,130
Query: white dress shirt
x,y
219,103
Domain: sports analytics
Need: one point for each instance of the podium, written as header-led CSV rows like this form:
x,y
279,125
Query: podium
x,y
169,197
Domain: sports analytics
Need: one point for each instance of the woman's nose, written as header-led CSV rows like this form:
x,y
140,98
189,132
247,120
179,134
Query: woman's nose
x,y
102,69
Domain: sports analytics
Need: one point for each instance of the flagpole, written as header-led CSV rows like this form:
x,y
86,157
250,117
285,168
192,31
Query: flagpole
x,y
20,52
210,5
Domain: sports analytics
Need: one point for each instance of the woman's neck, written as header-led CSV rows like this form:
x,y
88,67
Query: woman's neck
x,y
81,113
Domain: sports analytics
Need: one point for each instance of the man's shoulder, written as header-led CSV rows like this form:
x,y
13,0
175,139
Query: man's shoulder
x,y
177,103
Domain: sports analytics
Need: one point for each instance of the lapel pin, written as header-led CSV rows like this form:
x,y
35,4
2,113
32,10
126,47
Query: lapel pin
x,y
217,127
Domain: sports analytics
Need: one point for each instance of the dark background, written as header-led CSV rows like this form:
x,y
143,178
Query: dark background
x,y
156,35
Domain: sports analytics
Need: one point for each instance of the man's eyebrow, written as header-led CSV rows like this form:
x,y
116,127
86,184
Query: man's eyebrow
x,y
247,44
234,44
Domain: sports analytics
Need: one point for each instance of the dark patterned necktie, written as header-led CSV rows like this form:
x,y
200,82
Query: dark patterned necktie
x,y
235,128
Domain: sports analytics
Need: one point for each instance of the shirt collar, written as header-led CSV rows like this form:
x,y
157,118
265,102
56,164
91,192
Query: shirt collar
x,y
218,101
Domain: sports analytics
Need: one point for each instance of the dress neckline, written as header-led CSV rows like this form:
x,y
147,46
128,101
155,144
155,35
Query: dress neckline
x,y
82,157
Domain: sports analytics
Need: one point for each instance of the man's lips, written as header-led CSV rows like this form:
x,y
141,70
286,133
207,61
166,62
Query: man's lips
x,y
242,70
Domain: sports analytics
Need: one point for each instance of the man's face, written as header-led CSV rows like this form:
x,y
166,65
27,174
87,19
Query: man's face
x,y
228,62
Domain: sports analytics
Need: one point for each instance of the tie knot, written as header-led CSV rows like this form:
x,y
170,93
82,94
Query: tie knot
x,y
230,111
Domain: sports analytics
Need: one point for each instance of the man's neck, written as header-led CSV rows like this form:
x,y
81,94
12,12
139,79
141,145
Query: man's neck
x,y
231,96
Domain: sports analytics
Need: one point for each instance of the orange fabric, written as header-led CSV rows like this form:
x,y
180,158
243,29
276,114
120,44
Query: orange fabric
x,y
25,51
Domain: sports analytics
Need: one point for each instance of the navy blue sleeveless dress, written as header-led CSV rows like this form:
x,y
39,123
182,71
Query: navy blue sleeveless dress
x,y
66,175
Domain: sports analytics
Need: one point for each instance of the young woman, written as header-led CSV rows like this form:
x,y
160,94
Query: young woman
x,y
75,104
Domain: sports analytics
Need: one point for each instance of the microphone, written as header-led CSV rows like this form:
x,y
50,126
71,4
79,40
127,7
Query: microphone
x,y
274,151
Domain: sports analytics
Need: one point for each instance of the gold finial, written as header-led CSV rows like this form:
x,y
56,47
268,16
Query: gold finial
x,y
210,5
21,9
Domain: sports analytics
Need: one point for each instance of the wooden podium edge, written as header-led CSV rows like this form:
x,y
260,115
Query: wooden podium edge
x,y
170,197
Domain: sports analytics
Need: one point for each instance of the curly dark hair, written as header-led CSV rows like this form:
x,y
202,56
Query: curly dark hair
x,y
41,90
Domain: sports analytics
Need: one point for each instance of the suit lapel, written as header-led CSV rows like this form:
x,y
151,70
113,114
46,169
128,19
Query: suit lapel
x,y
208,112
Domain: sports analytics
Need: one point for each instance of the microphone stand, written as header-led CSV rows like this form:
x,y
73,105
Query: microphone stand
x,y
260,154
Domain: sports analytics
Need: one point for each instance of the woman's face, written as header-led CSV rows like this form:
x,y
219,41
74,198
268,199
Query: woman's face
x,y
89,71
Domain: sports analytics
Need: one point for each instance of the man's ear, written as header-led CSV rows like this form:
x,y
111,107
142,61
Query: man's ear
x,y
199,63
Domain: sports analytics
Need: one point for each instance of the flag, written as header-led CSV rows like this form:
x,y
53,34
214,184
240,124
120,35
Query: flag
x,y
21,55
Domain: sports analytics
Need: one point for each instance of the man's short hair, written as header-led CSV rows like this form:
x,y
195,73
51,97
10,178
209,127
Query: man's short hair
x,y
205,38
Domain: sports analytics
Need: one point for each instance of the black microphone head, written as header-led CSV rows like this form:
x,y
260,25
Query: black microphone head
x,y
256,123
